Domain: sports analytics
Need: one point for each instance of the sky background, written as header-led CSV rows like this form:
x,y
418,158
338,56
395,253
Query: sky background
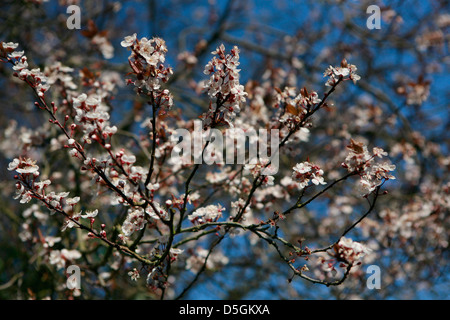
x,y
268,25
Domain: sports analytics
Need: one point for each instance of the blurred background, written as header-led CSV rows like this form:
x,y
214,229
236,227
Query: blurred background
x,y
400,104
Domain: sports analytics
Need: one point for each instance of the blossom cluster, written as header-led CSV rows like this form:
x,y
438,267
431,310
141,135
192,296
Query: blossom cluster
x,y
137,218
223,87
349,251
306,172
206,214
372,174
34,77
147,61
345,72
28,187
262,168
92,116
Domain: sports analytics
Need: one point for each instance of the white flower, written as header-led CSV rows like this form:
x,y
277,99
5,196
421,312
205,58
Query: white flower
x,y
346,72
91,101
79,100
379,152
72,201
24,166
50,241
103,45
305,172
152,187
59,258
110,130
161,213
302,168
128,41
70,223
175,251
90,214
10,45
371,174
350,251
56,259
268,180
135,221
134,274
70,254
13,165
129,159
206,214
16,54
216,260
21,64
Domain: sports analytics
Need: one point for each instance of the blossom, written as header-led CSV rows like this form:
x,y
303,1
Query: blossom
x,y
100,41
134,274
263,167
371,174
160,212
70,254
175,252
60,257
116,171
34,77
152,187
70,223
55,198
50,241
148,49
57,73
56,259
21,64
135,221
223,87
305,172
296,106
349,251
24,166
90,214
128,159
16,54
379,152
188,58
9,45
13,165
128,41
72,201
146,60
358,156
206,214
268,180
345,72
416,93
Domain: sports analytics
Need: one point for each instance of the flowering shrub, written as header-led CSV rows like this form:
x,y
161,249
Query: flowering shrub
x,y
99,187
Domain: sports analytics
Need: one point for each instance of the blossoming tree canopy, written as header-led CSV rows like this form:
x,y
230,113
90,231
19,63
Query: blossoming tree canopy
x,y
118,172
173,162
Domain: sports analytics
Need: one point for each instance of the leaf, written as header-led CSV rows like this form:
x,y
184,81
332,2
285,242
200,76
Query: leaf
x,y
357,147
91,31
291,109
